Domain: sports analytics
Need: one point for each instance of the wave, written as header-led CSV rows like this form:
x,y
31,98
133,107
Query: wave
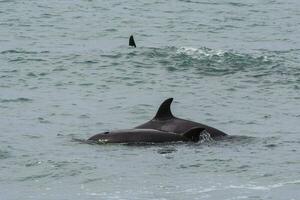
x,y
205,61
21,51
218,62
263,187
21,99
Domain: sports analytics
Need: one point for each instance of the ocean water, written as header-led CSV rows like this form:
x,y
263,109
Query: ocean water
x,y
66,73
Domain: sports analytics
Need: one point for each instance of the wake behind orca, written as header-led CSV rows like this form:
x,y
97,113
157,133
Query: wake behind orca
x,y
164,120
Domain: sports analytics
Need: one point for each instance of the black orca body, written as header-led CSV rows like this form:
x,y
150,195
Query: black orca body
x,y
165,121
145,136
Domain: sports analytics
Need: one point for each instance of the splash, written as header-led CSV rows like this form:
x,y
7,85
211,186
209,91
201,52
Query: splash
x,y
205,137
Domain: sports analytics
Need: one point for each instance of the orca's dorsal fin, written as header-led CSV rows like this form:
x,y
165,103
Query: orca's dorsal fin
x,y
193,134
164,110
131,41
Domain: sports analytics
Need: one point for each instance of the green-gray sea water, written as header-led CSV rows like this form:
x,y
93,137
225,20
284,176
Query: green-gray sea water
x,y
66,73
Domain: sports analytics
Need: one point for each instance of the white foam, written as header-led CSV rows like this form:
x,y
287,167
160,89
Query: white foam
x,y
205,137
266,187
201,52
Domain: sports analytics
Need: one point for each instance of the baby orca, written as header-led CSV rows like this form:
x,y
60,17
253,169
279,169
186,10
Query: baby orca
x,y
146,136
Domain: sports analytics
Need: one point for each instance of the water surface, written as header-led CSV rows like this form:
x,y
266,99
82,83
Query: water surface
x,y
67,73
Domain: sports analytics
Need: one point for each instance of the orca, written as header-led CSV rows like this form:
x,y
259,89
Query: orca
x,y
130,136
164,120
131,41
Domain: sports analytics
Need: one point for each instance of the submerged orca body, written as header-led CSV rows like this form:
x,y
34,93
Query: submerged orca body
x,y
145,136
165,121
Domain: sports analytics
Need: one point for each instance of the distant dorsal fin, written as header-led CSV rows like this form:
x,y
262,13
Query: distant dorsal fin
x,y
164,110
193,134
131,41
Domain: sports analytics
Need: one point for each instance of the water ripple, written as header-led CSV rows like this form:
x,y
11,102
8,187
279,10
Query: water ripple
x,y
21,99
4,154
